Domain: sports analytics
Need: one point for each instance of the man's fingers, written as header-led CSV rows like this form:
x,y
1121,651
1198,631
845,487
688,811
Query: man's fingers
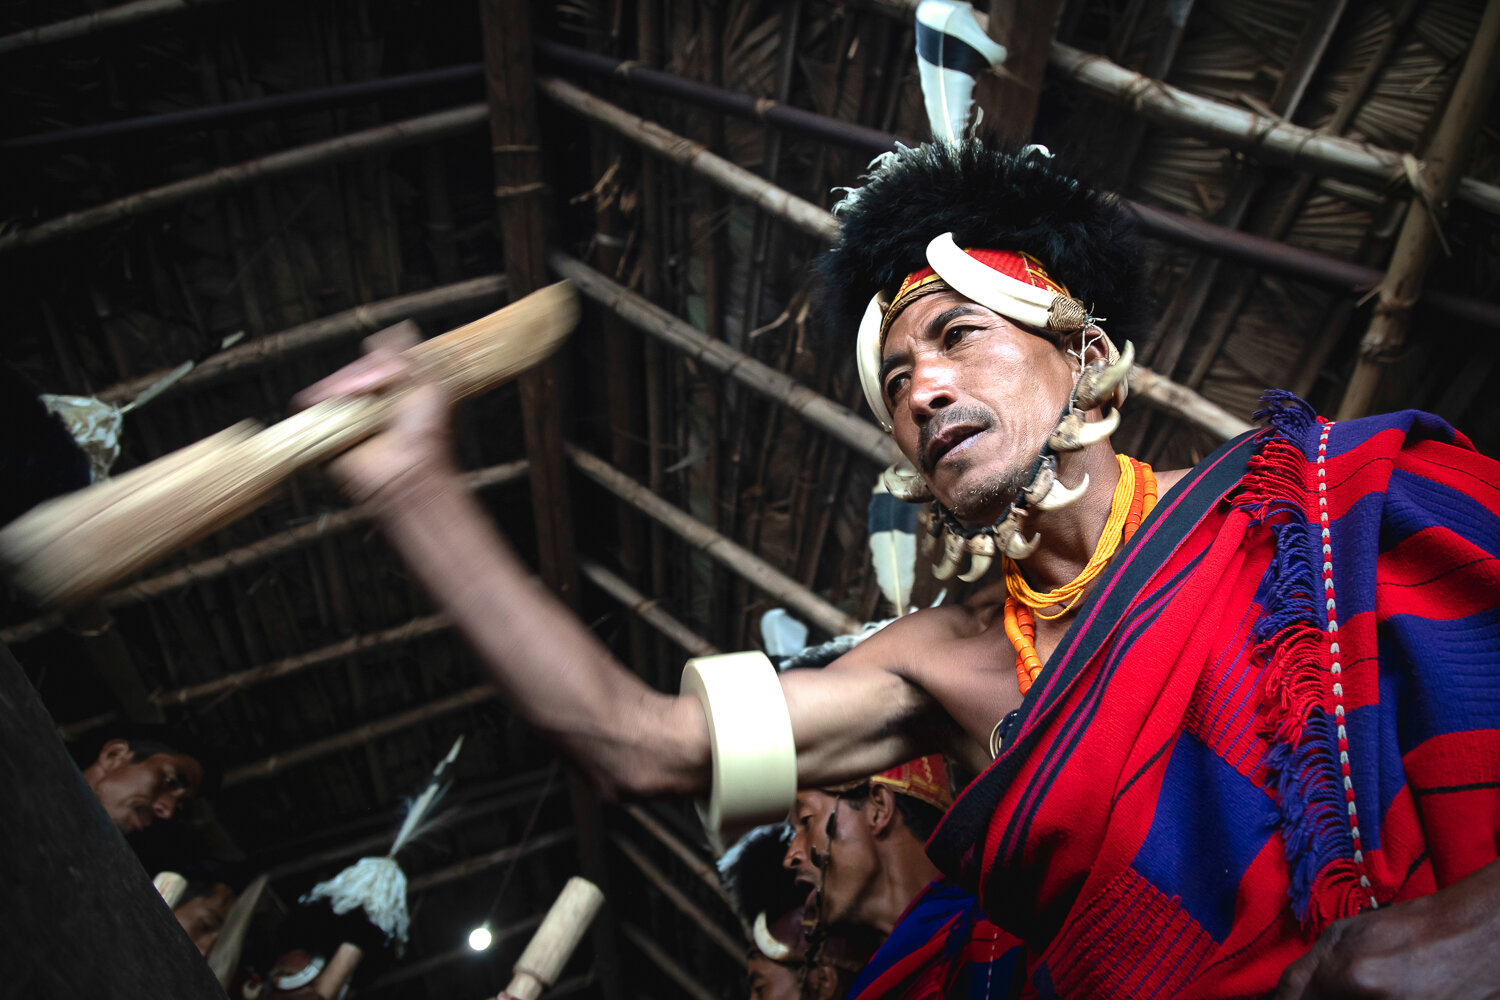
x,y
381,368
394,339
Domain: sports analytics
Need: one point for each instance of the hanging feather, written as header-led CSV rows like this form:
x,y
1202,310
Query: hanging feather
x,y
893,546
378,885
952,51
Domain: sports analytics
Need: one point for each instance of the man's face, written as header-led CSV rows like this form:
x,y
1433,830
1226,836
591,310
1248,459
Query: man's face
x,y
203,916
772,981
137,793
847,859
973,398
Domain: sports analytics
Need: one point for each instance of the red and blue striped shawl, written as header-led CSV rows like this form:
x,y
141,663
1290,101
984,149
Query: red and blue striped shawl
x,y
1280,708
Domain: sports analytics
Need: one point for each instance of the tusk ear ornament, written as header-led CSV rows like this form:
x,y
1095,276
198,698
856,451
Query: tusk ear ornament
x,y
904,482
1092,433
1101,381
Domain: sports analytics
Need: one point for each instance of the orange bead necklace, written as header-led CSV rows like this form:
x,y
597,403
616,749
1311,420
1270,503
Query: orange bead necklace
x,y
1020,622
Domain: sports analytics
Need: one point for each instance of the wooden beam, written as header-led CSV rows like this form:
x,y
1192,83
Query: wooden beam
x,y
647,608
477,294
278,762
95,22
490,859
1420,235
691,986
696,864
695,156
1269,255
710,927
759,572
425,128
1027,29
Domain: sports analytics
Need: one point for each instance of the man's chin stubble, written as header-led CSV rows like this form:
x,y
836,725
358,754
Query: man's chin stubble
x,y
984,502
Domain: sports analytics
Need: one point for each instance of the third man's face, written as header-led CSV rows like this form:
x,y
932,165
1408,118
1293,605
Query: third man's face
x,y
973,398
846,858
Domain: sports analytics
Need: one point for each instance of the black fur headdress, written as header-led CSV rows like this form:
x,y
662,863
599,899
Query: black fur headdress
x,y
987,198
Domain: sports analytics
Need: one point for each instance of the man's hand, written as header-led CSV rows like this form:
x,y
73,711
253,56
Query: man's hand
x,y
1441,947
417,441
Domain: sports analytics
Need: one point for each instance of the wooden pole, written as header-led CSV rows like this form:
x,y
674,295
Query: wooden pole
x,y
705,872
857,433
647,608
691,986
425,128
276,763
710,927
695,156
490,859
760,573
1185,404
99,20
1268,139
1419,238
1268,255
476,293
1009,100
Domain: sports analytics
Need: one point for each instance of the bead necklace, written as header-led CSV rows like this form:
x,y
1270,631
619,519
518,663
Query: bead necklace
x,y
1134,497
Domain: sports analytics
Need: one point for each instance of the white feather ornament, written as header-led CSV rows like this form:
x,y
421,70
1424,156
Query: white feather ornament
x,y
378,885
893,546
952,50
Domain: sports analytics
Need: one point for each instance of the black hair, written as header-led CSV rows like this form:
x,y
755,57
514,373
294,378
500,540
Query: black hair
x,y
992,198
148,739
921,818
199,889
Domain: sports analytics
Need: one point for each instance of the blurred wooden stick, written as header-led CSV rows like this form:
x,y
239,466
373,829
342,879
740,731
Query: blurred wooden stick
x,y
71,548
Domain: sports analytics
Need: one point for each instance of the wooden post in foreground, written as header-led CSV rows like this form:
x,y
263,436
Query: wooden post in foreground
x,y
544,958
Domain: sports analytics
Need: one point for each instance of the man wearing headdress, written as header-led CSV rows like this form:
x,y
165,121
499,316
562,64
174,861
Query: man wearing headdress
x,y
1238,714
858,849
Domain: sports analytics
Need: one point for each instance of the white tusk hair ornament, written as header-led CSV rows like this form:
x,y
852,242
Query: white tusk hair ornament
x,y
769,945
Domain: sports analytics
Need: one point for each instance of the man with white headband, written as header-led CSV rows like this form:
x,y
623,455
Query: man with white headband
x,y
1244,719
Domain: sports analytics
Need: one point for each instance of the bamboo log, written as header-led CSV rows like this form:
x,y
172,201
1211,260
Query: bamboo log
x,y
425,128
711,929
1419,237
705,872
738,181
322,332
1269,139
665,962
859,434
488,860
278,762
646,608
99,20
171,886
554,942
244,557
1268,255
1185,404
71,548
224,956
754,569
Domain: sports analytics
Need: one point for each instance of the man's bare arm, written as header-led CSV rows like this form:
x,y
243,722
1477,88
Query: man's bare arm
x,y
632,739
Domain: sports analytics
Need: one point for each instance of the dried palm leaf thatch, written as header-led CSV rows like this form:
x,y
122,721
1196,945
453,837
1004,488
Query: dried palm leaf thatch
x,y
71,548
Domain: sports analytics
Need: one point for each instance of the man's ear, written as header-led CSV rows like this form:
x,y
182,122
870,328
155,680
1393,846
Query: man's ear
x,y
822,983
114,754
881,808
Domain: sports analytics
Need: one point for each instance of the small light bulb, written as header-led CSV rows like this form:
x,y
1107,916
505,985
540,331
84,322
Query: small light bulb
x,y
480,938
